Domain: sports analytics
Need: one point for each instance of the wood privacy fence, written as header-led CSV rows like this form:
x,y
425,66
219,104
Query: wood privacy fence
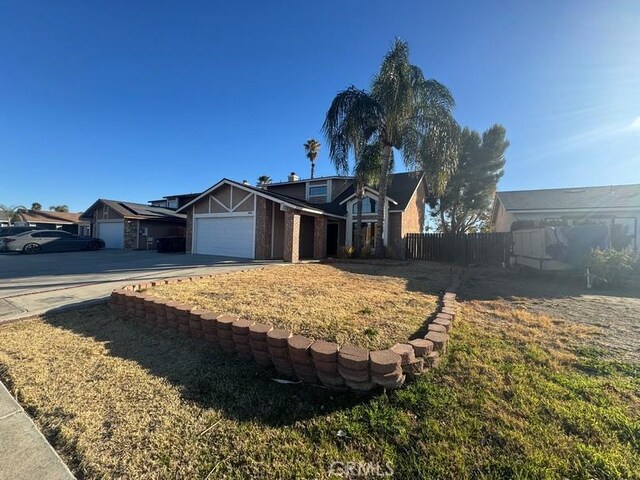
x,y
463,249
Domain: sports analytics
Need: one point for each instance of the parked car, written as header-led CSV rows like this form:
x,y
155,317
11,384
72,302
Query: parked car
x,y
49,241
13,230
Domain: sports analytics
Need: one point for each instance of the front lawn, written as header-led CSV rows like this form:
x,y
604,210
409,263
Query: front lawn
x,y
372,306
518,395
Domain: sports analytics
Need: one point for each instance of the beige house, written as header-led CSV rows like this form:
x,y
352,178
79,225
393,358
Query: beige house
x,y
615,205
298,219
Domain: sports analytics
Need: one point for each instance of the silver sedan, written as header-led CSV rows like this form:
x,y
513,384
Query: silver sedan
x,y
48,241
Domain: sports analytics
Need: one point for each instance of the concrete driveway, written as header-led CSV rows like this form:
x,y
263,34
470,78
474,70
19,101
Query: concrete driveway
x,y
34,284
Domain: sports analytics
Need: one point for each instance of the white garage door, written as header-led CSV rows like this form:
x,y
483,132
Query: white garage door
x,y
112,233
226,236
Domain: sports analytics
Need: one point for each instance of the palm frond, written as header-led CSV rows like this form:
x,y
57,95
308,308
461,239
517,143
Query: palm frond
x,y
352,119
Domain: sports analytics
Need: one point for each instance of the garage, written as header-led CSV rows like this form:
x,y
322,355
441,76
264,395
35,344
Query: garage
x,y
112,232
229,236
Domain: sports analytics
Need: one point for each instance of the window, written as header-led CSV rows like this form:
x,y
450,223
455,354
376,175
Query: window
x,y
49,234
173,203
368,206
318,191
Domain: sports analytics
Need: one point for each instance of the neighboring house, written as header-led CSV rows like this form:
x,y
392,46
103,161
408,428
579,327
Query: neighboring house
x,y
174,201
616,205
67,221
132,226
299,219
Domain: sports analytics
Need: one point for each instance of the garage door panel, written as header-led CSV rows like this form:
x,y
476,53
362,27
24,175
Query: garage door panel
x,y
225,236
112,233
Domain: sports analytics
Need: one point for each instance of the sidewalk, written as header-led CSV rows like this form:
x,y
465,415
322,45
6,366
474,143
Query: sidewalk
x,y
24,452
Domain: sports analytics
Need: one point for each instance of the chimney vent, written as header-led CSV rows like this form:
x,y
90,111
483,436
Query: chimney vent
x,y
293,177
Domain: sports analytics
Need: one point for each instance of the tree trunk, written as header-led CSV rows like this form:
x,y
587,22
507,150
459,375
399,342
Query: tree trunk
x,y
382,200
313,167
358,236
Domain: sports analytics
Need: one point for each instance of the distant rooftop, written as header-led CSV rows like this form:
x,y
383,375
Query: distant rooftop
x,y
612,196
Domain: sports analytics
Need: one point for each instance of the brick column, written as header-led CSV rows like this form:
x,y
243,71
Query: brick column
x,y
319,238
291,236
189,230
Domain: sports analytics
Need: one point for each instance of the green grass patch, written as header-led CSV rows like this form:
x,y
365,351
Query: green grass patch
x,y
120,400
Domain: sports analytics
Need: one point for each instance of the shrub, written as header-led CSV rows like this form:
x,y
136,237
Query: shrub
x,y
346,252
613,266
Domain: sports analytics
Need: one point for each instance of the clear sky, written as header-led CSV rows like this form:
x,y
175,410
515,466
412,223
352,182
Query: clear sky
x,y
133,100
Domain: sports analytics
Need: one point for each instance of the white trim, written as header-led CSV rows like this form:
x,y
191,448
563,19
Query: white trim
x,y
255,221
371,193
244,199
255,191
212,197
223,214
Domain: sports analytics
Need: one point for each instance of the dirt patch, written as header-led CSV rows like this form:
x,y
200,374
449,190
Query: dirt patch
x,y
614,314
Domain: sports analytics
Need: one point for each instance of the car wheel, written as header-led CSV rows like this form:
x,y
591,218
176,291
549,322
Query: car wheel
x,y
31,248
93,245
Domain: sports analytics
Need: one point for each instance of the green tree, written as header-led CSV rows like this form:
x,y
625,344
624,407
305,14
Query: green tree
x,y
403,111
312,147
36,207
465,204
264,180
13,213
59,208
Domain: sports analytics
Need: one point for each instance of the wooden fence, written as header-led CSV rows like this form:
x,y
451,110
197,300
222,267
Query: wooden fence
x,y
463,249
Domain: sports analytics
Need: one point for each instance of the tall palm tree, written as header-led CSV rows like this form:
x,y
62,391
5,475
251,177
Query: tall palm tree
x,y
264,180
403,111
13,213
312,147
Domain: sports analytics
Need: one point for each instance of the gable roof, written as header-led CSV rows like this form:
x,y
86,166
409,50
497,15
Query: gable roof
x,y
138,211
613,196
400,190
46,216
291,202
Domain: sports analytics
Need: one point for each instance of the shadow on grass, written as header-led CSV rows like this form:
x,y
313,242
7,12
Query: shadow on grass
x,y
210,379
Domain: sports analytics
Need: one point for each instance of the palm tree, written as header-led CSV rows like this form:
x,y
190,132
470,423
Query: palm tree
x,y
367,173
13,213
36,207
264,180
312,147
404,111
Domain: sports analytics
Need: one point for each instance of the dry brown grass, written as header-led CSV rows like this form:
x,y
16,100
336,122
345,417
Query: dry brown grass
x,y
367,305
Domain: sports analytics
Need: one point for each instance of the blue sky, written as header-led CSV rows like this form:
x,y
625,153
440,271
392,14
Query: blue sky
x,y
132,100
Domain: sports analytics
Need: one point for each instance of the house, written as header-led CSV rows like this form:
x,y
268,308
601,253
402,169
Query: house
x,y
299,219
132,226
617,205
50,220
174,201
